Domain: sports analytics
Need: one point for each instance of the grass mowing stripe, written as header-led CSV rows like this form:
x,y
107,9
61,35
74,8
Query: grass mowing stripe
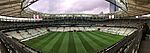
x,y
91,42
64,45
71,46
101,42
48,47
87,46
72,42
114,36
110,36
41,37
44,41
32,41
37,44
58,43
105,37
79,46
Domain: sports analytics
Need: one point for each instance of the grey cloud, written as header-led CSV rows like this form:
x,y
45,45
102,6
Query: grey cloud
x,y
55,6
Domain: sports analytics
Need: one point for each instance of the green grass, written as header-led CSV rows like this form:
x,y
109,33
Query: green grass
x,y
73,42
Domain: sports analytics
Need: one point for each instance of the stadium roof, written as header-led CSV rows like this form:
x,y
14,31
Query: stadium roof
x,y
19,8
14,7
137,7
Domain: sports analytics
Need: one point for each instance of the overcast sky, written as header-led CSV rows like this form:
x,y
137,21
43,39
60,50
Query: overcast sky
x,y
71,6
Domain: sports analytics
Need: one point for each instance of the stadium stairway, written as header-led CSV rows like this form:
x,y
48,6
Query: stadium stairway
x,y
145,46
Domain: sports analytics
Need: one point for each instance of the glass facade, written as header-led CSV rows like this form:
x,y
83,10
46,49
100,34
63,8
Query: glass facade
x,y
113,8
116,4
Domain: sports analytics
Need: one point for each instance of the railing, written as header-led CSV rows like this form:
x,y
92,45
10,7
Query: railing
x,y
129,44
14,46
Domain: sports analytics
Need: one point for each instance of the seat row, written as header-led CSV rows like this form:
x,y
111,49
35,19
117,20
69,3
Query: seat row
x,y
64,29
119,31
28,34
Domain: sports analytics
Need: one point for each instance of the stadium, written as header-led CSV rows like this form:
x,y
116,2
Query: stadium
x,y
74,26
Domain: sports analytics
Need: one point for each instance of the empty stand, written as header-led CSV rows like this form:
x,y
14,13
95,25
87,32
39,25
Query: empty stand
x,y
119,31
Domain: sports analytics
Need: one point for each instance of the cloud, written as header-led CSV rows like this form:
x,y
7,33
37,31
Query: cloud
x,y
71,6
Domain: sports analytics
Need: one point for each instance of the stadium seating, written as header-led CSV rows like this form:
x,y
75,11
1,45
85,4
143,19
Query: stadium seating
x,y
32,32
122,22
15,35
66,29
24,34
119,31
27,35
52,28
81,29
44,30
61,29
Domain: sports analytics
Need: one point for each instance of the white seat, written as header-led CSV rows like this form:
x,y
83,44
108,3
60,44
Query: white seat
x,y
14,34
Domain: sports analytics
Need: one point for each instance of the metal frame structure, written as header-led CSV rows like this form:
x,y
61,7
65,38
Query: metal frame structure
x,y
136,9
7,8
14,7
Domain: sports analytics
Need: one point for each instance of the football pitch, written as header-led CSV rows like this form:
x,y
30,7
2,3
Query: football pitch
x,y
73,42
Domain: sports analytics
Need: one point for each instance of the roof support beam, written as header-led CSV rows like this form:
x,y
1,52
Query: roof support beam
x,y
132,13
9,7
22,8
139,6
9,11
138,9
9,3
5,10
29,4
13,12
15,15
